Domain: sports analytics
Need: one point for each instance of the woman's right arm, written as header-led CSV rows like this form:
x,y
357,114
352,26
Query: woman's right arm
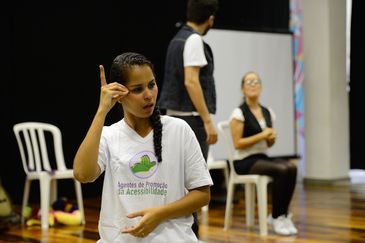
x,y
240,142
85,167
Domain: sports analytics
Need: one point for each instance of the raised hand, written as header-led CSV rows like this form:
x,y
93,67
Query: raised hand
x,y
110,93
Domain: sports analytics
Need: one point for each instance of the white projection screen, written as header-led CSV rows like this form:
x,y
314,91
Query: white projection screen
x,y
271,56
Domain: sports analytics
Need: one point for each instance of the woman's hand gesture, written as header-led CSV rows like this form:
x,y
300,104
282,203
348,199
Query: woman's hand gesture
x,y
150,219
110,93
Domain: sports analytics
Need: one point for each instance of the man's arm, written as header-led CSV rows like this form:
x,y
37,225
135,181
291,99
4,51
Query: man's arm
x,y
192,84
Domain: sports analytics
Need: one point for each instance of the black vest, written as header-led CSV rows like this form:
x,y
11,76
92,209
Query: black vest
x,y
173,94
252,126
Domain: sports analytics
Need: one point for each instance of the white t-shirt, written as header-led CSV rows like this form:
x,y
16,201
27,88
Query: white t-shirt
x,y
194,51
134,179
257,148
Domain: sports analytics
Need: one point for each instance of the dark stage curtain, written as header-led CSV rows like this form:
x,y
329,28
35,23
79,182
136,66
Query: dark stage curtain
x,y
357,55
51,52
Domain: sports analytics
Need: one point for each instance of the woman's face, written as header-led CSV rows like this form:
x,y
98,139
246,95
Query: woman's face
x,y
252,86
143,91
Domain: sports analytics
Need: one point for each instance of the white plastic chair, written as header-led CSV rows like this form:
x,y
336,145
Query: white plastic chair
x,y
32,138
217,165
250,182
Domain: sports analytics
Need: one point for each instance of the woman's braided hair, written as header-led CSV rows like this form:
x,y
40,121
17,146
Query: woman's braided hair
x,y
119,73
155,120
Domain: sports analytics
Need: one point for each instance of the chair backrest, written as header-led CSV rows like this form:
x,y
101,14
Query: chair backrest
x,y
210,158
32,143
225,130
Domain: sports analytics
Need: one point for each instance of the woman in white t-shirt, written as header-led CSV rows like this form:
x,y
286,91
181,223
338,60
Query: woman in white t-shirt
x,y
253,133
155,173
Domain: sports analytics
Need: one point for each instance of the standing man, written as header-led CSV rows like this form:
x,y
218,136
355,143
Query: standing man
x,y
188,90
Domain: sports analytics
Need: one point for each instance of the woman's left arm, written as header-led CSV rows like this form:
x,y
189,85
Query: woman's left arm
x,y
193,201
272,138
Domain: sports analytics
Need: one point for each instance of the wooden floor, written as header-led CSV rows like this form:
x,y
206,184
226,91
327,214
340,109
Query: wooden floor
x,y
322,213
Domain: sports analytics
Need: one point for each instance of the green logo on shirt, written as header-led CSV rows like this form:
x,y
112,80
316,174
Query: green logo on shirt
x,y
144,166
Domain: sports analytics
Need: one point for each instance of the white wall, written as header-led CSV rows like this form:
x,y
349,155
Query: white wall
x,y
270,55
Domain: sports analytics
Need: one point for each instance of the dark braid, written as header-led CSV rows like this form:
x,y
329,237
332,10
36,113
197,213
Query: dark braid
x,y
119,73
155,120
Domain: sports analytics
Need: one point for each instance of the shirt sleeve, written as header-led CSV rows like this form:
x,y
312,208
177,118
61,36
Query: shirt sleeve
x,y
194,52
196,172
103,152
237,114
272,114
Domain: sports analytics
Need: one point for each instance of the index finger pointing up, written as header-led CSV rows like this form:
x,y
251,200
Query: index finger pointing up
x,y
102,75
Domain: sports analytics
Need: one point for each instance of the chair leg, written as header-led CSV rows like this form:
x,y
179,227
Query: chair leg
x,y
262,205
250,197
80,202
25,198
54,191
229,206
226,176
205,208
45,181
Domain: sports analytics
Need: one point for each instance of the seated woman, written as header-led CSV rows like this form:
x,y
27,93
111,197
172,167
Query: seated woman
x,y
253,134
